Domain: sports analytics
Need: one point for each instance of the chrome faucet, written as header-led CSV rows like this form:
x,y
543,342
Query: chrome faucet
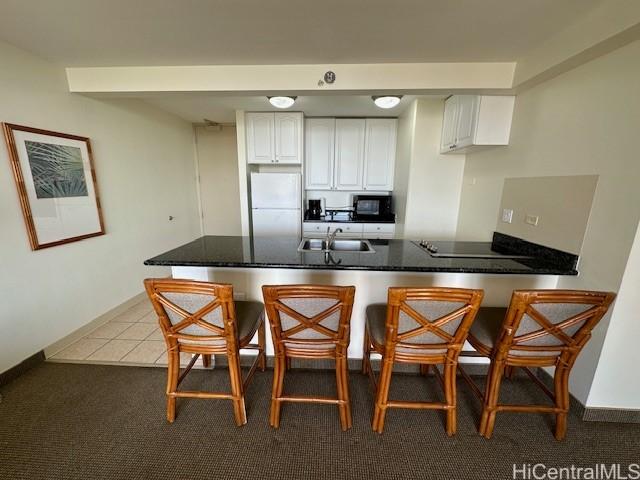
x,y
331,237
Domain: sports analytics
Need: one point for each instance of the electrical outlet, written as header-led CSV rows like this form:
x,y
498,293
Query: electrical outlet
x,y
531,220
507,215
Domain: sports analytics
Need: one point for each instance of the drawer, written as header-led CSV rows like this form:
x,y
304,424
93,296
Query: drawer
x,y
347,228
315,227
321,227
377,236
388,228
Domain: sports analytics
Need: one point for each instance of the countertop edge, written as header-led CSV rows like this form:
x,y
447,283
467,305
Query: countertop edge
x,y
486,271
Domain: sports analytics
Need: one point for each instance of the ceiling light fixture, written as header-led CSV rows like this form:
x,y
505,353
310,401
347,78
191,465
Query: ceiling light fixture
x,y
386,101
282,102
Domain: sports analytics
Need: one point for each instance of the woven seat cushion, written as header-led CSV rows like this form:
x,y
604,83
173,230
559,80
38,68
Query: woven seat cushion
x,y
377,314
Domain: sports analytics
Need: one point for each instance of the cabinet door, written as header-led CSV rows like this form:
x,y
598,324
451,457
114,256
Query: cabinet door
x,y
349,153
467,120
288,129
260,138
379,153
449,124
319,158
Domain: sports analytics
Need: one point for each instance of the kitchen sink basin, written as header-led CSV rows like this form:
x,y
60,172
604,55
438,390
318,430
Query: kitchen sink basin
x,y
338,245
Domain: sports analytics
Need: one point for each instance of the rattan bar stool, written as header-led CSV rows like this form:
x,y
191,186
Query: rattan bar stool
x,y
201,318
427,326
310,321
541,328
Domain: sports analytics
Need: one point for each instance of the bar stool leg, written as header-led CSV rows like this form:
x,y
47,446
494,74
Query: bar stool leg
x,y
173,372
561,384
492,393
382,395
278,382
262,346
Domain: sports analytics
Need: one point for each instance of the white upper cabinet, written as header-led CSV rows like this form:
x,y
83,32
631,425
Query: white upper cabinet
x,y
379,153
288,137
319,153
349,152
472,121
274,137
260,138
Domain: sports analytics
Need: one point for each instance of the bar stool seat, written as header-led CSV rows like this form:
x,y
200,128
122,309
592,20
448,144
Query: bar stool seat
x,y
427,326
485,329
201,319
541,328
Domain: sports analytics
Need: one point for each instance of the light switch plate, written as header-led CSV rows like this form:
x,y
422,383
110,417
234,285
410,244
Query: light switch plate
x,y
507,215
531,220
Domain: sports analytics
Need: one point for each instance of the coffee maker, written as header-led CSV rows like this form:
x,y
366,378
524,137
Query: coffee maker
x,y
315,210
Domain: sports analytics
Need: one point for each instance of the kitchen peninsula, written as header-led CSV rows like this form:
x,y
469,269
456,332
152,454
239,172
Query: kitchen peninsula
x,y
250,262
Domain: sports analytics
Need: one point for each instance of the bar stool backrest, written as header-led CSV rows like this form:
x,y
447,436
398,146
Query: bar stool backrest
x,y
309,317
551,323
193,312
430,320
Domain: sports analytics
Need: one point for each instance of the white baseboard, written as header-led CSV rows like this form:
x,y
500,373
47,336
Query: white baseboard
x,y
92,325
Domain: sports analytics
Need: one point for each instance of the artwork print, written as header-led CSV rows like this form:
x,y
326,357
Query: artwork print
x,y
57,170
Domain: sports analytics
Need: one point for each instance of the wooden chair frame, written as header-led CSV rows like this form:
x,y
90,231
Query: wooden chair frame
x,y
503,363
397,302
228,336
286,346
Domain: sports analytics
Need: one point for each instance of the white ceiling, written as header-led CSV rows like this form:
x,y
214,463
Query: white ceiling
x,y
196,107
195,32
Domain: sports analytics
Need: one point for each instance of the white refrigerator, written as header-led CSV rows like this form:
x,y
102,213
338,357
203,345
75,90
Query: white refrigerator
x,y
276,199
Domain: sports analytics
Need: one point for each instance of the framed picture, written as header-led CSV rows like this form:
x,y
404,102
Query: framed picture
x,y
56,184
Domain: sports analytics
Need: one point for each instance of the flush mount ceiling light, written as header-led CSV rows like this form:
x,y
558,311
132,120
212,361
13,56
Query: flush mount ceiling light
x,y
282,102
386,101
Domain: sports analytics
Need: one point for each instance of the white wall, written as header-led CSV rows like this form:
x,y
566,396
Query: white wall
x,y
219,184
144,163
584,122
404,154
616,383
430,182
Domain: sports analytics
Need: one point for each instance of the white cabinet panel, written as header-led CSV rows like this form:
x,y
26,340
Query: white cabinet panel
x,y
260,137
449,123
288,136
467,120
319,148
349,152
379,227
380,153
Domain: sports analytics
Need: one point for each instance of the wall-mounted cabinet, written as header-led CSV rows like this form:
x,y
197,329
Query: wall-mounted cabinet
x,y
475,121
350,154
274,137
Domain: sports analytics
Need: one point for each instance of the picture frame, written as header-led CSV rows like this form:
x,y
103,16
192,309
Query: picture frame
x,y
56,183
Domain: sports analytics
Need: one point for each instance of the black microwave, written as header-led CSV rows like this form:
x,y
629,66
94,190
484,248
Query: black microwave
x,y
373,207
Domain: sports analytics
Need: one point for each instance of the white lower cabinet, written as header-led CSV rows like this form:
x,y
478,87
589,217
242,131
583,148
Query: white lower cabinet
x,y
350,230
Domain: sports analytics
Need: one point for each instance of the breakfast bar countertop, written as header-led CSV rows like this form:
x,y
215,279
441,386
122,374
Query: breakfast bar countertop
x,y
390,255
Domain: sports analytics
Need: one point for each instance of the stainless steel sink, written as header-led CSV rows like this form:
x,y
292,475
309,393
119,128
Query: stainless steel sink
x,y
351,246
339,245
312,245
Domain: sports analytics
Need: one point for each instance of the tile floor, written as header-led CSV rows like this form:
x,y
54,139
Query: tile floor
x,y
131,338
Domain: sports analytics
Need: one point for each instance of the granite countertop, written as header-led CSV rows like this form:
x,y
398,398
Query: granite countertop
x,y
390,255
